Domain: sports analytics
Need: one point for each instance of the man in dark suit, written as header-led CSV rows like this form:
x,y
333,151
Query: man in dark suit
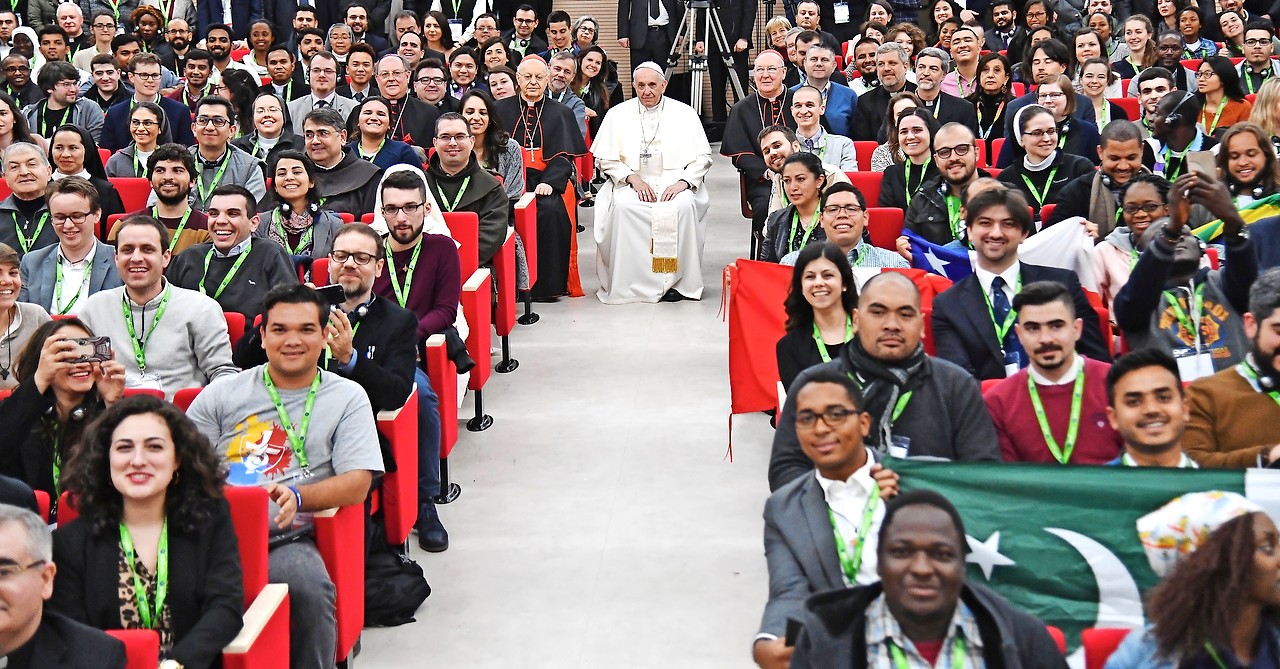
x,y
61,276
521,38
30,637
973,319
738,18
770,105
804,519
412,120
891,69
368,23
648,28
144,74
1004,25
361,85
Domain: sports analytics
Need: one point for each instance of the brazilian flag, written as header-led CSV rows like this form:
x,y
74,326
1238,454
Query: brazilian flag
x,y
1257,210
1061,542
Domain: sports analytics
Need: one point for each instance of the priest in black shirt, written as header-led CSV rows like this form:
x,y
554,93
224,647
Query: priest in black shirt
x,y
412,120
769,105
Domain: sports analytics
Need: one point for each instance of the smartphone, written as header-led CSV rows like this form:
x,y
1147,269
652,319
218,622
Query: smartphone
x,y
1202,162
92,349
333,293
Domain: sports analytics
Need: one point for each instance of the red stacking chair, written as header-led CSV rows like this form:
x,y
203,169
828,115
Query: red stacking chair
x,y
504,309
988,384
367,219
586,163
444,380
868,183
346,217
264,637
184,397
884,226
141,648
42,503
1129,105
154,392
235,326
105,155
134,191
237,54
320,272
4,189
996,145
340,540
1046,211
104,225
981,158
526,224
1018,89
476,300
398,493
1058,638
1100,642
863,149
927,337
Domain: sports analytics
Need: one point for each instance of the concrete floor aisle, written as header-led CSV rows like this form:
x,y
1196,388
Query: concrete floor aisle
x,y
600,524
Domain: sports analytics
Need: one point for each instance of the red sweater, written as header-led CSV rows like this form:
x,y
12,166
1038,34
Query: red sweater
x,y
1019,432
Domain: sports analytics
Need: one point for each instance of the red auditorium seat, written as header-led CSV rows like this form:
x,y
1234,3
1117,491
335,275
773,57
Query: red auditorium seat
x,y
526,224
868,183
1129,105
134,191
884,226
476,301
864,149
398,492
1099,643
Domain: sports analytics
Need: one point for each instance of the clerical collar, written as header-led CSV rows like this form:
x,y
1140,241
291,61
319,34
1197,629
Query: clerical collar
x,y
1068,378
235,250
58,176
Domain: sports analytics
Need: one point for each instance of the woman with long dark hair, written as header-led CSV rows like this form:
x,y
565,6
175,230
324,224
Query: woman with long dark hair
x,y
369,126
242,90
796,225
73,153
1043,169
435,27
494,148
1144,200
1247,161
903,180
1218,87
592,85
889,152
992,96
13,125
819,308
936,13
149,128
292,214
154,547
54,399
1166,18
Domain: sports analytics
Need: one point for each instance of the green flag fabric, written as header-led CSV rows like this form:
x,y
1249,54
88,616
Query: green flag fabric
x,y
1061,542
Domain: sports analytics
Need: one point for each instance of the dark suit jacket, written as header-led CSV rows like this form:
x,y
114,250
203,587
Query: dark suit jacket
x,y
633,22
38,271
206,590
115,131
296,88
61,643
872,108
418,122
964,333
243,13
536,44
800,549
738,18
951,109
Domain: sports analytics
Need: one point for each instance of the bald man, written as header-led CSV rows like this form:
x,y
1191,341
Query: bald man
x,y
547,133
650,228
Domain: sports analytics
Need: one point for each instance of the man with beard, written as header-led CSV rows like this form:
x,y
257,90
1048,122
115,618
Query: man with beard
x,y
982,340
891,66
310,42
347,183
522,40
173,50
172,170
287,81
1258,65
61,82
864,62
919,405
1004,19
1053,410
199,66
932,66
1172,303
1096,196
1235,416
563,67
412,120
460,184
218,42
934,213
1147,405
359,20
777,143
1152,85
769,105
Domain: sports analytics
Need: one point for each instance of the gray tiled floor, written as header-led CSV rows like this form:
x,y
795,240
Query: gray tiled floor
x,y
600,524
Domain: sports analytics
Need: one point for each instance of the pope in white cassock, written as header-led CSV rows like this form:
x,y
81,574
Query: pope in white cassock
x,y
649,214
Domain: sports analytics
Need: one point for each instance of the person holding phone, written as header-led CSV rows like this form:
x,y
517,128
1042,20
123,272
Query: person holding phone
x,y
57,395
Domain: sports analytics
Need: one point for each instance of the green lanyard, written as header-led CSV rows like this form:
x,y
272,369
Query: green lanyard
x,y
55,435
204,191
795,223
137,163
953,216
57,288
150,615
370,156
1248,77
140,344
1221,105
44,119
1106,114
1062,138
226,280
1063,454
402,294
1002,329
115,8
297,434
907,168
173,240
303,241
851,553
1168,155
1197,306
444,200
328,353
957,655
1043,193
1213,654
822,345
27,242
1133,257
1251,374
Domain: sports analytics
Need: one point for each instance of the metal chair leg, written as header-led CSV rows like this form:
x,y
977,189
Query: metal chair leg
x,y
529,317
451,490
481,421
507,364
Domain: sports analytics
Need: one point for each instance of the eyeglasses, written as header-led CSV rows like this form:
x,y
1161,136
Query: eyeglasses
x,y
1208,74
946,151
217,121
1150,208
112,26
459,138
1050,132
16,68
361,258
69,83
323,70
391,74
833,417
13,569
834,209
1037,15
77,217
171,31
390,210
1051,96
142,123
525,22
146,76
431,80
1257,41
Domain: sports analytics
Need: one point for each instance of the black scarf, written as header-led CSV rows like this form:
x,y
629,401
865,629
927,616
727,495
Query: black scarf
x,y
882,384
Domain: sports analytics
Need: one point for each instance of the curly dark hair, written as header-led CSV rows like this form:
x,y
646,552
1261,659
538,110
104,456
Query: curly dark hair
x,y
799,311
1199,601
197,482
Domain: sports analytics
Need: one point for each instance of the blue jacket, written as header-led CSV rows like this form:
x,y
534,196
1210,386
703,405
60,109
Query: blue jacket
x,y
392,153
115,131
842,107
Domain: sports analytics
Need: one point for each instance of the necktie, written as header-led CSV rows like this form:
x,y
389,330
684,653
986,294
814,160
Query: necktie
x,y
359,97
810,145
322,103
654,8
1000,308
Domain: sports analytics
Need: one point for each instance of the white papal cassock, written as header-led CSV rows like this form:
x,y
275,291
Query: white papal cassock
x,y
644,249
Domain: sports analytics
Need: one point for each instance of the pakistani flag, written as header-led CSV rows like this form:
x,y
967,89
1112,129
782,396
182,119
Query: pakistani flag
x,y
1061,542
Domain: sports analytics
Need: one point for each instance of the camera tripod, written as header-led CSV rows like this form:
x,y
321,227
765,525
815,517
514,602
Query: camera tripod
x,y
683,45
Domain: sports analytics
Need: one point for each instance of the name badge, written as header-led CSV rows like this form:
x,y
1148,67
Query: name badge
x,y
1192,364
1010,369
146,380
899,446
842,12
455,29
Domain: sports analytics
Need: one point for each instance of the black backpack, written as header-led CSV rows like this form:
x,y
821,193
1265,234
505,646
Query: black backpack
x,y
394,585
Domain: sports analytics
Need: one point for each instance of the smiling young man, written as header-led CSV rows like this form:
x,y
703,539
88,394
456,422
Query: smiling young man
x,y
973,319
864,60
308,436
966,45
844,218
777,143
287,80
171,169
358,20
1148,408
24,218
891,69
1055,409
168,338
145,74
17,80
935,212
198,66
922,610
61,83
238,267
323,70
809,110
105,90
62,276
218,161
459,183
839,101
1096,196
360,84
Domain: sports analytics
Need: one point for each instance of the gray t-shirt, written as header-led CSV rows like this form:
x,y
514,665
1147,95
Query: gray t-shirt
x,y
238,417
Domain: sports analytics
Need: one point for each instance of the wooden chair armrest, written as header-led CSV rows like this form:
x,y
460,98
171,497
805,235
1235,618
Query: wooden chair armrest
x,y
260,613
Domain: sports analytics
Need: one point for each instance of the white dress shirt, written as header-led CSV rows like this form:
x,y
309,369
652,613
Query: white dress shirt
x,y
74,274
1010,276
1067,379
847,501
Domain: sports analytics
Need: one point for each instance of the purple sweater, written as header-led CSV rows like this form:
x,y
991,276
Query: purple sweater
x,y
437,283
